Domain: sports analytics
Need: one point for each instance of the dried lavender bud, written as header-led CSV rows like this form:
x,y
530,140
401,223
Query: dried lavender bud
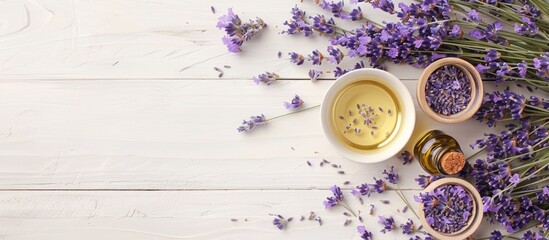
x,y
334,165
389,112
360,219
218,69
290,219
384,201
380,109
346,183
227,66
405,209
347,222
234,220
321,164
340,172
220,75
448,91
346,214
319,220
213,9
451,215
302,218
325,161
312,215
350,113
371,209
309,163
341,117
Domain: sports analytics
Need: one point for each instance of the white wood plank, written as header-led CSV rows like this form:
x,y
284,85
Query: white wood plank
x,y
176,135
151,39
188,215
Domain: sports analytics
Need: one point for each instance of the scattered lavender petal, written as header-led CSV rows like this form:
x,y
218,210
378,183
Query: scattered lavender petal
x,y
347,222
346,183
309,163
384,201
234,220
341,172
213,9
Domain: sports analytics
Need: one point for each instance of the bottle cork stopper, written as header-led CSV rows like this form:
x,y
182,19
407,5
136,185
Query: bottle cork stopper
x,y
452,162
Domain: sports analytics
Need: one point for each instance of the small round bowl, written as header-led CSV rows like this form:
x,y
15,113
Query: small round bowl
x,y
474,220
399,137
477,90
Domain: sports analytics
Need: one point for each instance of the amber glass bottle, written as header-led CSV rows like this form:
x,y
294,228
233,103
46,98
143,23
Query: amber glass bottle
x,y
439,153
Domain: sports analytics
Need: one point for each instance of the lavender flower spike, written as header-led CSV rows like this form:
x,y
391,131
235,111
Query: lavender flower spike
x,y
406,157
296,103
267,78
238,32
255,121
296,58
387,222
391,176
364,234
333,201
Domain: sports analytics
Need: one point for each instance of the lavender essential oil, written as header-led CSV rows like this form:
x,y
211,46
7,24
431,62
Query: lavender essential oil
x,y
439,153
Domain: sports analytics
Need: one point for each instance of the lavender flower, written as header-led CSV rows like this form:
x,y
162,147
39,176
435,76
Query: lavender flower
x,y
296,103
495,235
314,74
255,121
473,15
408,227
447,208
316,57
238,32
391,176
364,234
387,222
406,157
448,91
280,222
296,58
298,24
267,78
424,181
335,55
336,199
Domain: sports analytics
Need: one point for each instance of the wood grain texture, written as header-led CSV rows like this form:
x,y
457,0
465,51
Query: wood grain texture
x,y
176,135
146,39
114,125
189,215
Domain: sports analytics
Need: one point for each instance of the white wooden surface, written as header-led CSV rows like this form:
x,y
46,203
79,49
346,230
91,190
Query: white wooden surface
x,y
114,125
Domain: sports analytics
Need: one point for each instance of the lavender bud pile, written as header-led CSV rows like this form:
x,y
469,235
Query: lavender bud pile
x,y
448,91
447,208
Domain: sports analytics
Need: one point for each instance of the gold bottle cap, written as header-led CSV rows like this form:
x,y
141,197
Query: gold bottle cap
x,y
452,162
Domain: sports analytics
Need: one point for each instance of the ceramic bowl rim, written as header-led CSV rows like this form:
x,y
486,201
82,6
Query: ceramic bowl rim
x,y
405,98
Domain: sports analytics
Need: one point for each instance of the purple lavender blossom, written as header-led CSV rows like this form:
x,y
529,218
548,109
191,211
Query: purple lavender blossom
x,y
296,103
267,78
391,176
473,15
255,121
335,55
314,74
296,58
406,157
364,234
447,208
280,222
316,57
323,26
336,199
387,222
495,235
424,181
298,23
448,91
237,31
408,227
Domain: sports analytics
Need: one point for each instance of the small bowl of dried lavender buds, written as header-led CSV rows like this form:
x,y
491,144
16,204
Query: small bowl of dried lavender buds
x,y
450,90
450,208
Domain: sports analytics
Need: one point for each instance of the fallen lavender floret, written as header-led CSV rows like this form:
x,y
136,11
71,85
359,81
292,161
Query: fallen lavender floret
x,y
447,208
296,103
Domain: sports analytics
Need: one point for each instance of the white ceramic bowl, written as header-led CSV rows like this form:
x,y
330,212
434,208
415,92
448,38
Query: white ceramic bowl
x,y
405,128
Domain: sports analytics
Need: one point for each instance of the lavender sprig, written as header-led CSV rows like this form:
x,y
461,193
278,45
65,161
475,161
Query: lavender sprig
x,y
237,31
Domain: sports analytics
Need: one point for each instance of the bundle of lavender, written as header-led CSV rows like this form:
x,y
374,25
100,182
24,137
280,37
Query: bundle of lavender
x,y
509,42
